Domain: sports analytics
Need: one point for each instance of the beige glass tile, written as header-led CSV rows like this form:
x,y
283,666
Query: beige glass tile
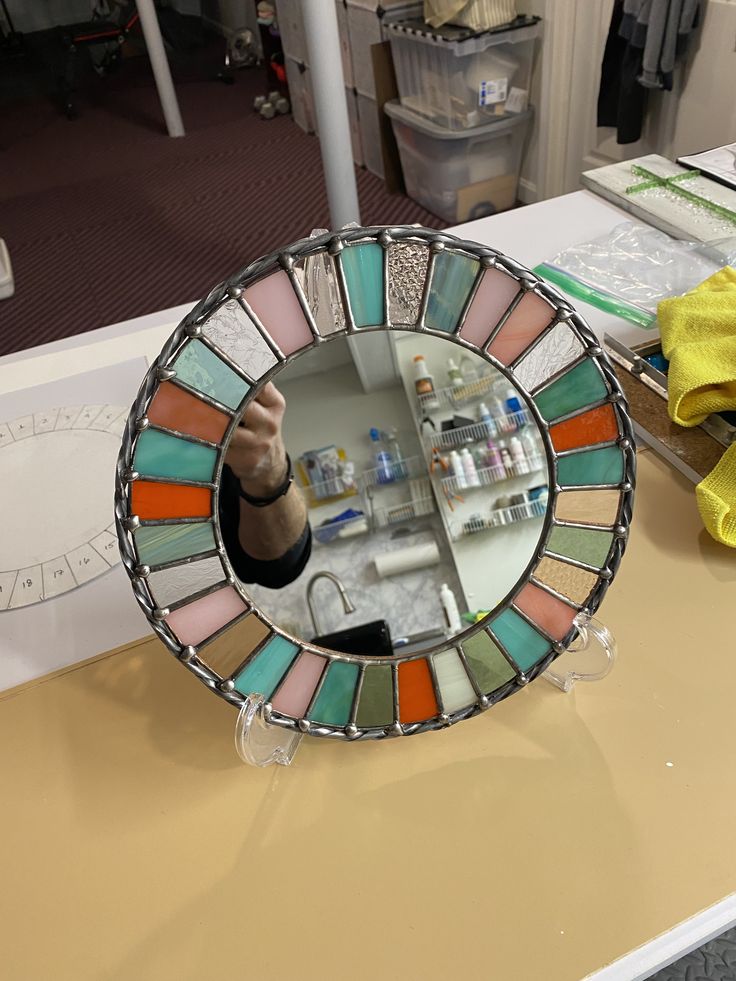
x,y
566,579
227,652
588,507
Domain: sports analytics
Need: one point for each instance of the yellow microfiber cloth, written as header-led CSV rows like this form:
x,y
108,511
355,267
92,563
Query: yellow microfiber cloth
x,y
699,340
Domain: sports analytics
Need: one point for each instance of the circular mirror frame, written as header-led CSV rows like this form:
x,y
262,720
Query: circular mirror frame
x,y
575,397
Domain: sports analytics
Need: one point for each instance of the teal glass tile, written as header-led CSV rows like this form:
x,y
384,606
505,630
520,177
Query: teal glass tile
x,y
262,673
574,390
363,269
585,545
335,700
453,277
603,466
159,454
524,644
157,544
201,369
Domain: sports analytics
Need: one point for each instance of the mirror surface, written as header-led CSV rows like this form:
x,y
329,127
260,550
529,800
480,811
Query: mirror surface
x,y
425,482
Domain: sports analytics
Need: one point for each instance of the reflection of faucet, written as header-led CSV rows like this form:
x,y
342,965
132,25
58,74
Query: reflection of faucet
x,y
346,602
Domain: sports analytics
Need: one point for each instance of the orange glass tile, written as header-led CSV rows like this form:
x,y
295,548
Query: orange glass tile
x,y
597,426
417,701
150,500
174,408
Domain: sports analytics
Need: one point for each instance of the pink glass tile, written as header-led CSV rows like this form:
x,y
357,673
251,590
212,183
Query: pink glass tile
x,y
526,323
495,291
549,613
276,305
197,621
295,694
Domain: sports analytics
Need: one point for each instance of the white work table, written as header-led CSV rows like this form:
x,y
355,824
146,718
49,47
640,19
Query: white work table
x,y
556,837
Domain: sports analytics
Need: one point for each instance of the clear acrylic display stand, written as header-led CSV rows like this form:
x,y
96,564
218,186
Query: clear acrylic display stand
x,y
590,657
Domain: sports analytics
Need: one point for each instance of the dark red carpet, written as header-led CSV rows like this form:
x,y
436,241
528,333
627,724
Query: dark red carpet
x,y
107,218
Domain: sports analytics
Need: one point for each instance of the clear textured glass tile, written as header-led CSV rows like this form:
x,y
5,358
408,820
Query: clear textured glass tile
x,y
172,585
407,273
232,330
316,275
557,349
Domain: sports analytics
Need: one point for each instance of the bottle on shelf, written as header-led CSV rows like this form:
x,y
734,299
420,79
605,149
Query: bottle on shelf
x,y
493,459
529,442
487,419
382,457
424,384
518,456
457,469
504,422
471,474
508,463
399,467
450,610
515,408
454,374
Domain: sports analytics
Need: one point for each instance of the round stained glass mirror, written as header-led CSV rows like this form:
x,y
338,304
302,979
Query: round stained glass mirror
x,y
464,459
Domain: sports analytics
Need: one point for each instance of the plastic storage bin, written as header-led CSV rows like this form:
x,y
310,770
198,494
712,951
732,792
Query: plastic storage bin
x,y
366,21
370,134
460,175
460,79
293,39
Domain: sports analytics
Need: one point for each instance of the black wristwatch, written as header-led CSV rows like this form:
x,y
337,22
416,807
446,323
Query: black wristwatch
x,y
263,502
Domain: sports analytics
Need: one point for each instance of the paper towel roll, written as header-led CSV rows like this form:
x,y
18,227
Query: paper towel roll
x,y
406,560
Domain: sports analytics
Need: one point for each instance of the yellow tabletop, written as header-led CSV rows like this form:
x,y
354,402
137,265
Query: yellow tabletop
x,y
538,841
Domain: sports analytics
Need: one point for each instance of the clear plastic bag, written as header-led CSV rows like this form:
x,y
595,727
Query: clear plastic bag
x,y
629,270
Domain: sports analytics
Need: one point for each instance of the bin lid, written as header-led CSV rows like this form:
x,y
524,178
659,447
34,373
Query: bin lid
x,y
419,30
395,110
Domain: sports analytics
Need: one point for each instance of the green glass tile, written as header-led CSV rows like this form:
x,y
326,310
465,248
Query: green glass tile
x,y
452,280
262,674
574,390
363,269
591,547
157,544
376,703
490,668
201,369
335,700
159,454
524,644
604,466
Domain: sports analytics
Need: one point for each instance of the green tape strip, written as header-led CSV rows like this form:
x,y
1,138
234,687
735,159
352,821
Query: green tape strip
x,y
672,184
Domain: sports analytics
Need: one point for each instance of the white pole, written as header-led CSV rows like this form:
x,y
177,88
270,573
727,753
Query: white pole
x,y
325,65
161,72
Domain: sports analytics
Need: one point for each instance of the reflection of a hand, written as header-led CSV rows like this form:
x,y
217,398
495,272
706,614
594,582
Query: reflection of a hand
x,y
256,452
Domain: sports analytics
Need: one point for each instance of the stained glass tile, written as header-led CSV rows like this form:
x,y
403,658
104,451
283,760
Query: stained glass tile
x,y
417,700
262,673
526,322
363,270
548,612
232,330
230,649
376,702
277,306
576,584
156,544
495,292
524,644
317,277
172,585
583,544
597,426
453,277
202,370
604,466
152,502
334,702
578,387
197,621
557,349
407,273
588,507
490,668
297,689
456,691
173,408
159,454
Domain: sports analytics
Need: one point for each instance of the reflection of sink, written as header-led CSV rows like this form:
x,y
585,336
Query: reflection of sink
x,y
418,642
367,638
